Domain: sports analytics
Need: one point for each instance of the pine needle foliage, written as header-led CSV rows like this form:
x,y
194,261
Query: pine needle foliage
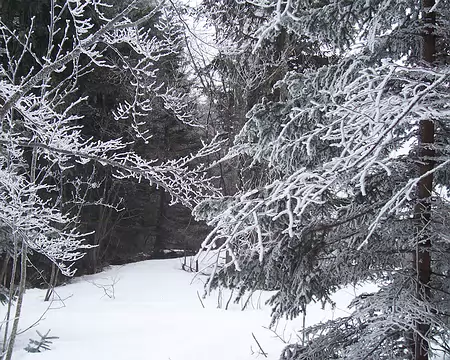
x,y
36,346
345,195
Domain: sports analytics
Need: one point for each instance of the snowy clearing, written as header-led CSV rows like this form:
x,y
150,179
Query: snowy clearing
x,y
155,313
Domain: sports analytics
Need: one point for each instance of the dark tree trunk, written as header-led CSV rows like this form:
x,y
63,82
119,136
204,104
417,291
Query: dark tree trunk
x,y
159,238
4,270
422,211
52,283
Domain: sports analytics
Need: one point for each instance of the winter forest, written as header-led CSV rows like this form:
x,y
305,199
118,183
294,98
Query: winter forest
x,y
290,148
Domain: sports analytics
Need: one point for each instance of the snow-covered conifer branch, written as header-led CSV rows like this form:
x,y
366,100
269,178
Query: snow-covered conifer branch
x,y
360,128
357,123
341,172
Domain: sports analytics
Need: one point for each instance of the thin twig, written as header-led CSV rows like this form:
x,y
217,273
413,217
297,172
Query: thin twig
x,y
260,348
201,302
276,334
228,302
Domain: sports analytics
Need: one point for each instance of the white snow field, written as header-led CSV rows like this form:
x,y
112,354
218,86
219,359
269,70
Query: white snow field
x,y
155,314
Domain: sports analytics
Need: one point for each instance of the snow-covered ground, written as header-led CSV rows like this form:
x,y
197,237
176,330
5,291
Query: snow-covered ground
x,y
155,314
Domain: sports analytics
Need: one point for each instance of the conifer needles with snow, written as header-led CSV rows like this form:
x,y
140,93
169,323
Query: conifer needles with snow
x,y
346,178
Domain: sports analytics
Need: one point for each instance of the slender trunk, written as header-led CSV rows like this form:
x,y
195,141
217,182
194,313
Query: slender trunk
x,y
160,218
422,211
23,277
51,283
4,270
11,292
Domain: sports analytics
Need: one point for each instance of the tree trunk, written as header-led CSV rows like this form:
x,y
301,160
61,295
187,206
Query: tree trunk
x,y
4,270
422,211
52,282
23,278
159,238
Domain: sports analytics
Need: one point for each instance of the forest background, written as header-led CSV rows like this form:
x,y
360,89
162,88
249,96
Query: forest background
x,y
311,136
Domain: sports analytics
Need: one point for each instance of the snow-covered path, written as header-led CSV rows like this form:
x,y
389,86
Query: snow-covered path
x,y
155,314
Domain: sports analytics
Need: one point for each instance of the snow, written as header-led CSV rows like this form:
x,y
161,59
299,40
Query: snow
x,y
151,310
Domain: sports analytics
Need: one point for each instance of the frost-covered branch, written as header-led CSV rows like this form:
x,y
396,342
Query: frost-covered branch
x,y
359,123
39,110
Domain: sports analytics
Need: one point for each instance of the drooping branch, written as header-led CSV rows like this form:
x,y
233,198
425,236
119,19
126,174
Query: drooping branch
x,y
184,184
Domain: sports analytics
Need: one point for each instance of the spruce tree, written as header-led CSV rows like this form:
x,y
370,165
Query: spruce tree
x,y
356,158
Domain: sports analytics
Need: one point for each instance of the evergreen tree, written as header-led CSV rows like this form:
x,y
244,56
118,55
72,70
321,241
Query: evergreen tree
x,y
355,188
240,75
